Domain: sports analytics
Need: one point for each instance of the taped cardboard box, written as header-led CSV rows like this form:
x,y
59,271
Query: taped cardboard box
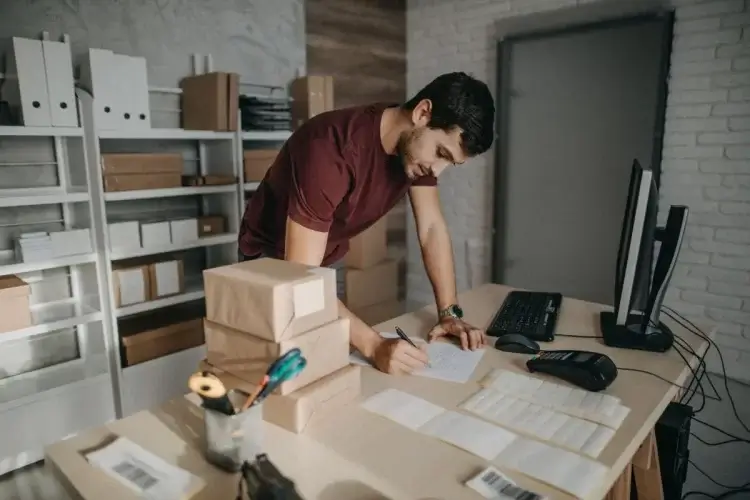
x,y
256,162
376,284
15,312
131,283
311,96
381,312
137,182
141,163
149,338
211,225
166,278
326,349
210,101
369,247
272,299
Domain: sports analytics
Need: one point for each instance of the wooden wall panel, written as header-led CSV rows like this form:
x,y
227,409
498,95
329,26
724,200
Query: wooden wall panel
x,y
362,43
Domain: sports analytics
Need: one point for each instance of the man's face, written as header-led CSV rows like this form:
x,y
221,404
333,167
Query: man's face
x,y
426,151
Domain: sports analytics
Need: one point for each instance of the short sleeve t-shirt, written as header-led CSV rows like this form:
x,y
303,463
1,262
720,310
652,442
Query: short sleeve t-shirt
x,y
332,175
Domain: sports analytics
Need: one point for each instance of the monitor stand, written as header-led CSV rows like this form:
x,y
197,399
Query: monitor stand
x,y
633,335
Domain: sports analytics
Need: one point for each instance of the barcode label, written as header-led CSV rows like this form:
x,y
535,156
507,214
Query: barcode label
x,y
134,474
493,485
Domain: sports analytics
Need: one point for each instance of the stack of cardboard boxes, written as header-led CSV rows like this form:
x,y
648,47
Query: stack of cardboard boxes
x,y
258,310
371,279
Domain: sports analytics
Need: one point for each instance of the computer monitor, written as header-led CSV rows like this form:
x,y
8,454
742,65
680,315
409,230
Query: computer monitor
x,y
639,291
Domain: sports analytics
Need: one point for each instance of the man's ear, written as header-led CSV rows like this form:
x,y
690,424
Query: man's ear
x,y
422,113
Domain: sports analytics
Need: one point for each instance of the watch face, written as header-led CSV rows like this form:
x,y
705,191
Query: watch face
x,y
457,311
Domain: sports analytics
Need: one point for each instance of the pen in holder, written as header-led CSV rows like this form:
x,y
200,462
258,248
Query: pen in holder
x,y
231,433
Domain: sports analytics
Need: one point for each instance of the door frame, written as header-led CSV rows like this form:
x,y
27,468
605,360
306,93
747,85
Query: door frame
x,y
504,57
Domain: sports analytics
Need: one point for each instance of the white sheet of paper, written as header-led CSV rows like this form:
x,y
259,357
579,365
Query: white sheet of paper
x,y
469,433
410,411
447,361
143,472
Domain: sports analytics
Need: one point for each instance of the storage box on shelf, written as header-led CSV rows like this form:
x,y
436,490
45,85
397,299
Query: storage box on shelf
x,y
295,307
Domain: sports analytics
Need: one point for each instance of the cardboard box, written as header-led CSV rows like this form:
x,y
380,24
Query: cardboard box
x,y
137,182
368,248
256,162
381,312
141,163
211,225
125,234
131,283
208,180
166,278
311,96
71,242
210,101
15,313
155,234
365,287
326,349
296,411
272,299
147,338
183,230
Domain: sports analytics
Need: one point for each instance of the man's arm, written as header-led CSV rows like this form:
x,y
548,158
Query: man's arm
x,y
307,246
435,243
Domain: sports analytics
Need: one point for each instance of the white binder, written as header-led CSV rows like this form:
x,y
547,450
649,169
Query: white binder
x,y
26,89
58,65
100,76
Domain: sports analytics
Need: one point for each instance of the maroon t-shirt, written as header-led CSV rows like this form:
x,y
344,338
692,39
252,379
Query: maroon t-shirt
x,y
331,175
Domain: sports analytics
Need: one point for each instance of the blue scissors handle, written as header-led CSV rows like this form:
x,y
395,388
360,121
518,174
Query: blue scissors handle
x,y
287,366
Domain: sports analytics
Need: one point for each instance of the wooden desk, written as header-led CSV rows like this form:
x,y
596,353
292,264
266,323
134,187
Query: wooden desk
x,y
360,455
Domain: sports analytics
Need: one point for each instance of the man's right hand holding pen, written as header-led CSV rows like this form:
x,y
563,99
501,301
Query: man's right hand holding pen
x,y
399,357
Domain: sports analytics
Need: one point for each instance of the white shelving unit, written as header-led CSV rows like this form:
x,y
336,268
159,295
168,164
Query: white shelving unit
x,y
59,365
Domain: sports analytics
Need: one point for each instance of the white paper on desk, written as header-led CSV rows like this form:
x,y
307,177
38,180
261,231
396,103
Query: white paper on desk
x,y
143,472
469,433
562,469
447,361
403,408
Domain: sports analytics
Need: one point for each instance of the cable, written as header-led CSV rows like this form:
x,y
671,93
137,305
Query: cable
x,y
577,336
653,375
718,443
697,331
722,496
715,481
727,434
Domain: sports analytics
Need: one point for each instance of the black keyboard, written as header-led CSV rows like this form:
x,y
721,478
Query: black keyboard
x,y
533,314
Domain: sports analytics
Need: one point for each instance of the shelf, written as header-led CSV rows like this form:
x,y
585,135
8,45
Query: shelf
x,y
28,387
9,266
129,253
54,316
251,186
193,291
174,134
263,135
40,196
145,194
41,131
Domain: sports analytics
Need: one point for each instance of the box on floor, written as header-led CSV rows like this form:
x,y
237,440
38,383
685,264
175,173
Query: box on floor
x,y
374,285
15,313
326,349
369,247
272,299
313,403
380,312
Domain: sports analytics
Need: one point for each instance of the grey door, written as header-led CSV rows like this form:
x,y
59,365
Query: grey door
x,y
582,106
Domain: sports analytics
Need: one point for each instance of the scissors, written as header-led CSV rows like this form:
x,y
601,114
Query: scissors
x,y
283,369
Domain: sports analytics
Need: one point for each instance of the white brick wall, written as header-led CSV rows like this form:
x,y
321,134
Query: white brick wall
x,y
706,153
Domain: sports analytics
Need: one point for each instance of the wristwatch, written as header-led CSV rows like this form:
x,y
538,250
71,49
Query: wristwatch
x,y
452,311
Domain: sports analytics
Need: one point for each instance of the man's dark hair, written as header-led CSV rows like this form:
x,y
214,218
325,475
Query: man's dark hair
x,y
458,100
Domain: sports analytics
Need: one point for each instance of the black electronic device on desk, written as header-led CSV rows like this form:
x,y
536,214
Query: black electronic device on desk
x,y
592,371
531,314
261,480
515,342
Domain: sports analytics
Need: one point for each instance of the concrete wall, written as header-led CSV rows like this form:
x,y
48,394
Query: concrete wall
x,y
706,153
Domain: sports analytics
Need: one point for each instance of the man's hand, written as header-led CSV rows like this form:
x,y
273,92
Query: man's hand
x,y
397,357
470,337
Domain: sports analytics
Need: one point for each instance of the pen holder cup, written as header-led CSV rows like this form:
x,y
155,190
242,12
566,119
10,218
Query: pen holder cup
x,y
232,439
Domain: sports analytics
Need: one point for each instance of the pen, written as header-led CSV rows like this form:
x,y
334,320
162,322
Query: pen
x,y
405,337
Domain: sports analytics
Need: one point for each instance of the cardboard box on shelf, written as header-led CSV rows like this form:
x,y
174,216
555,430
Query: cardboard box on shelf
x,y
138,182
141,163
208,180
369,247
380,312
210,101
311,96
156,233
312,403
326,349
376,284
15,313
272,299
71,242
166,278
131,283
125,234
211,225
256,162
183,230
148,337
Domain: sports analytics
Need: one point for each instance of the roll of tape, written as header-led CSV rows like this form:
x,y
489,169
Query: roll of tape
x,y
207,385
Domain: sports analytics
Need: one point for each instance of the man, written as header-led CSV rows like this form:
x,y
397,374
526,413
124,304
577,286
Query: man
x,y
345,169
